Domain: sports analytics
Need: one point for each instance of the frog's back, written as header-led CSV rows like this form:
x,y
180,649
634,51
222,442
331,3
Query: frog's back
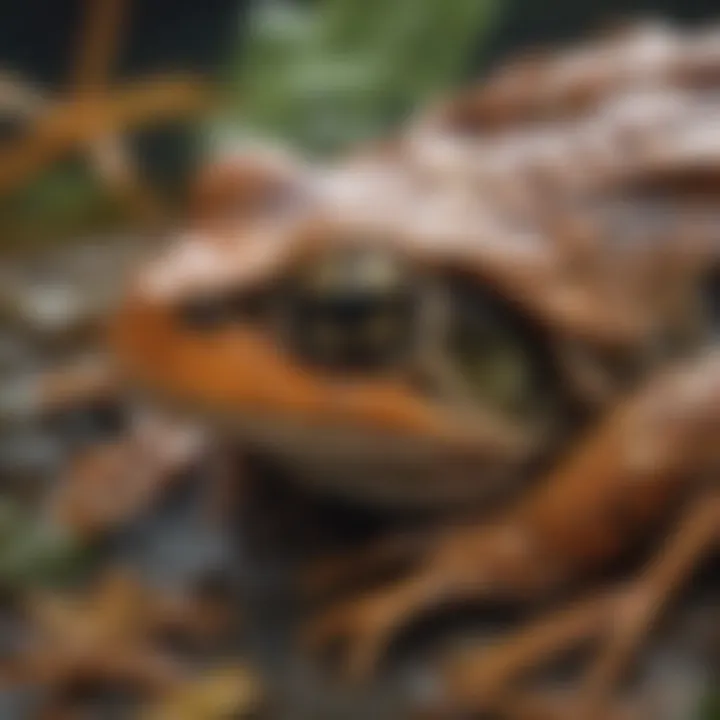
x,y
567,211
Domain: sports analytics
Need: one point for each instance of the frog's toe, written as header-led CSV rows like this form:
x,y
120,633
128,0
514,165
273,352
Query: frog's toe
x,y
366,626
360,629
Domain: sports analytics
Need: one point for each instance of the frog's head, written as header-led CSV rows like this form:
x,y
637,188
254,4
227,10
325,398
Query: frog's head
x,y
376,366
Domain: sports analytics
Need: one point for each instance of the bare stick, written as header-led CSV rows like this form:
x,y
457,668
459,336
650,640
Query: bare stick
x,y
99,44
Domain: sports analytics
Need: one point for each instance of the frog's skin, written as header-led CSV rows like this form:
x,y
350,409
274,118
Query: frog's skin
x,y
571,204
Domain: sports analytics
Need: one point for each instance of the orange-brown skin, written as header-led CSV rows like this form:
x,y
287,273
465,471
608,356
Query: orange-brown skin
x,y
244,185
552,85
560,246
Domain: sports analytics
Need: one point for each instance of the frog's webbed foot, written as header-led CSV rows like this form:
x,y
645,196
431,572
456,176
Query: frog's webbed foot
x,y
644,601
364,627
617,621
465,563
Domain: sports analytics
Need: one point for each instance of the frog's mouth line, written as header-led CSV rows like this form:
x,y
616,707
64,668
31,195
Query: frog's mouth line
x,y
368,462
371,466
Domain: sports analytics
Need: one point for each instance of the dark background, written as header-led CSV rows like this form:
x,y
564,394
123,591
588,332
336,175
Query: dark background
x,y
36,38
35,34
529,22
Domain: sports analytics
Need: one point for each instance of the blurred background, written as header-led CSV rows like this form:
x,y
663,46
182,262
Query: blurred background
x,y
321,74
107,109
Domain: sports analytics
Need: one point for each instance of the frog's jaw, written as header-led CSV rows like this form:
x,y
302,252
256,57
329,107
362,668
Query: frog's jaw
x,y
381,432
381,469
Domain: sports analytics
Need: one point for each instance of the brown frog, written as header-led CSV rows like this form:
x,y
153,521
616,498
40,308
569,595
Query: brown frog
x,y
511,306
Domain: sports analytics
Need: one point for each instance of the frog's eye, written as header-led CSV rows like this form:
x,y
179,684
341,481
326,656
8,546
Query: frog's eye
x,y
499,358
352,308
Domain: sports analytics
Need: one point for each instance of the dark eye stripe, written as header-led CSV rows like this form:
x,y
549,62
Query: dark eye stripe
x,y
203,314
213,312
711,301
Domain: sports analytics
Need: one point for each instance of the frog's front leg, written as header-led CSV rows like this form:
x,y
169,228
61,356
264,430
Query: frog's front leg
x,y
620,481
616,622
642,603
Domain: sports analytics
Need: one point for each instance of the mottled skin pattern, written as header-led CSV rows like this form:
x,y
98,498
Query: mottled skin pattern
x,y
578,192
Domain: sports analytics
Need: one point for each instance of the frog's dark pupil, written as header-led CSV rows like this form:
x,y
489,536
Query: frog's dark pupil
x,y
352,309
352,329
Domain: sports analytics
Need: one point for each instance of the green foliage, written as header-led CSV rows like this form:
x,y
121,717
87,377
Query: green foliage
x,y
64,202
324,74
710,705
319,74
35,552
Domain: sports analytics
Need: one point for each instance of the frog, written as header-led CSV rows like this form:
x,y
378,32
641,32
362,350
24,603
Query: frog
x,y
508,310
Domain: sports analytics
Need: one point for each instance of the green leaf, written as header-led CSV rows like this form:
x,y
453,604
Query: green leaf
x,y
62,203
325,74
710,705
34,551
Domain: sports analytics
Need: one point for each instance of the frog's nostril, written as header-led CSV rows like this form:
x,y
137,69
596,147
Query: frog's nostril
x,y
352,309
203,313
